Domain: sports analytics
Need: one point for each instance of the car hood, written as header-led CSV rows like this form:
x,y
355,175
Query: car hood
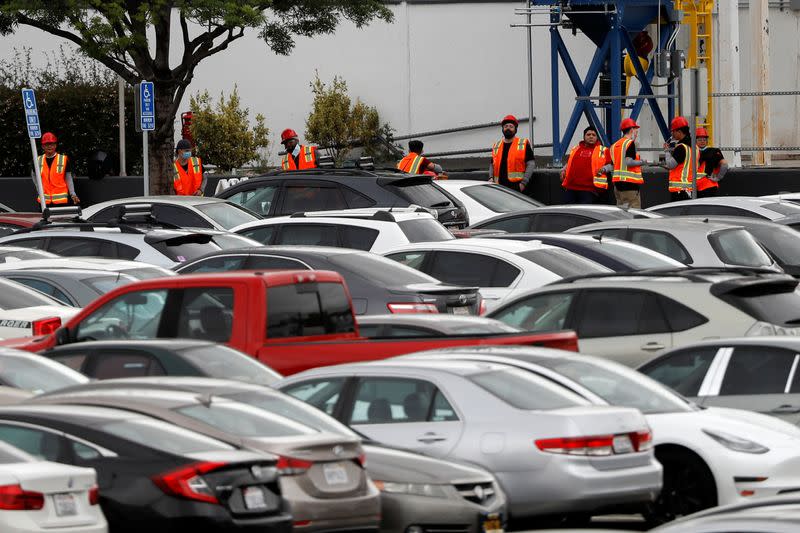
x,y
750,419
396,465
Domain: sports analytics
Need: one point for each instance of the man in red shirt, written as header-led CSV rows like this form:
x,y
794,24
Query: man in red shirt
x,y
583,164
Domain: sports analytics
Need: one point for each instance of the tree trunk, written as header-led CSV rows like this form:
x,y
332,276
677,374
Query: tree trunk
x,y
161,145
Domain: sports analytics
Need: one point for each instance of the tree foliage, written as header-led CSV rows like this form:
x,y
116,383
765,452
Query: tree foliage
x,y
222,132
338,125
115,33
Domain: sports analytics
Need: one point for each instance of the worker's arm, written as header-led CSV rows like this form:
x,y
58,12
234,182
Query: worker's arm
x,y
201,189
433,167
719,174
491,173
630,157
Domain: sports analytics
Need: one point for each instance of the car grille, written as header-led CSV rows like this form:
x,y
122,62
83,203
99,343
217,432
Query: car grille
x,y
479,493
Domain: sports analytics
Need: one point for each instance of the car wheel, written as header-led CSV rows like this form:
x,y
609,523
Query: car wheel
x,y
688,486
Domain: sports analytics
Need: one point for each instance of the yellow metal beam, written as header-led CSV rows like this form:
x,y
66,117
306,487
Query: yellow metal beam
x,y
697,17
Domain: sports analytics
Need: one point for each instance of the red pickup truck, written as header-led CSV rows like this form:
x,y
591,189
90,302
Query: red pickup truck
x,y
289,320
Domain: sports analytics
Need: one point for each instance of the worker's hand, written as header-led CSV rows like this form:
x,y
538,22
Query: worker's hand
x,y
563,174
667,146
198,192
75,199
521,186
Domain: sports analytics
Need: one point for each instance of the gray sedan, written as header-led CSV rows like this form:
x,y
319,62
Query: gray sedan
x,y
539,439
698,243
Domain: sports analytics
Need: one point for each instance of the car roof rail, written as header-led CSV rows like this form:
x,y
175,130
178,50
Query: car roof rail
x,y
138,214
82,226
67,210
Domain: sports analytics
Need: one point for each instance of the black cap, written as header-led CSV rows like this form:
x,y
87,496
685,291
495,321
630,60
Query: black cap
x,y
183,144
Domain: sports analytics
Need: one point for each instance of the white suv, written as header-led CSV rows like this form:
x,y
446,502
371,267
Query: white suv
x,y
630,317
373,230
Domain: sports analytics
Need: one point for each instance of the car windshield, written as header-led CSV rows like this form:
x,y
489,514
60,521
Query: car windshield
x,y
227,215
163,436
221,362
10,454
783,242
379,270
104,284
425,230
524,390
424,194
563,263
784,208
37,374
499,199
244,420
636,257
775,304
618,385
736,246
14,295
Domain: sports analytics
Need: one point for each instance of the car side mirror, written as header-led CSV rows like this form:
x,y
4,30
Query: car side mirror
x,y
62,336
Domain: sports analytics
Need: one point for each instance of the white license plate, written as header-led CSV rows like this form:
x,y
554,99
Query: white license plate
x,y
335,474
623,444
463,310
65,505
254,498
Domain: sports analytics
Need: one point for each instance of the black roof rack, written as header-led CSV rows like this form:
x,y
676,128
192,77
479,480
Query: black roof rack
x,y
691,273
140,213
82,226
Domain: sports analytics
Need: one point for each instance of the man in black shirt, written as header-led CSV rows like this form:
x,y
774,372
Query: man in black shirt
x,y
512,157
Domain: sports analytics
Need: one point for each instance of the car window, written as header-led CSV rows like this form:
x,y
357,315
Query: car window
x,y
124,365
670,211
225,215
499,199
679,316
562,262
76,247
609,313
413,259
724,210
356,200
377,269
558,222
617,233
265,262
104,284
28,243
306,309
738,247
135,315
261,234
423,194
217,264
424,230
524,390
636,257
540,312
9,454
772,303
39,375
411,331
660,242
163,436
521,224
220,361
683,371
359,238
321,393
206,313
180,216
258,200
45,287
303,198
770,365
19,255
309,234
396,400
44,445
470,269
71,360
241,420
17,296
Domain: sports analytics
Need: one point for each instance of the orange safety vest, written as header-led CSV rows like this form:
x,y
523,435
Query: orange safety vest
x,y
680,177
307,159
54,186
621,171
598,162
703,182
187,183
411,163
515,162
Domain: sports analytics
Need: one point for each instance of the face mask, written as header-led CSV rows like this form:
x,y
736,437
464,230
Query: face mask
x,y
187,154
508,134
296,150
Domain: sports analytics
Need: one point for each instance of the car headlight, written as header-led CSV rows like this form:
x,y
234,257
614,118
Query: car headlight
x,y
416,489
737,444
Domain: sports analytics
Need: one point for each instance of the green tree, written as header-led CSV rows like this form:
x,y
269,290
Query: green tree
x,y
338,125
222,132
115,33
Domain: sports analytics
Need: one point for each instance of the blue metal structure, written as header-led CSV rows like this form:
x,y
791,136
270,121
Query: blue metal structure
x,y
610,26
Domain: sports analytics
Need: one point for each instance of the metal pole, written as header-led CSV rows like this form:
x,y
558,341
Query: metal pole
x,y
759,14
729,111
530,74
693,151
121,87
145,164
38,173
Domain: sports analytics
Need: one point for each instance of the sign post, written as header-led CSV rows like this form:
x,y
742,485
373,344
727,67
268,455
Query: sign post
x,y
146,121
34,132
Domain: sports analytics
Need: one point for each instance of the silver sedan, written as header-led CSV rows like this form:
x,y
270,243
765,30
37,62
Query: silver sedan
x,y
551,451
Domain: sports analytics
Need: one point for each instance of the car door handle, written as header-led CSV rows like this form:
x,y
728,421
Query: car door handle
x,y
429,438
786,409
653,346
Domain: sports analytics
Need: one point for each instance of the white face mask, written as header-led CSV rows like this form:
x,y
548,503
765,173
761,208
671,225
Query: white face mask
x,y
296,150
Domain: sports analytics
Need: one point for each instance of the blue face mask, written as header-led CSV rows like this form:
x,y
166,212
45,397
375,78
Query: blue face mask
x,y
187,154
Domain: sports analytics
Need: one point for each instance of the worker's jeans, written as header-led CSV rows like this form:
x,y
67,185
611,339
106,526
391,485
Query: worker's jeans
x,y
579,197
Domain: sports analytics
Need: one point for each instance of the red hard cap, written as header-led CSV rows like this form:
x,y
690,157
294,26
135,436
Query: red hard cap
x,y
287,134
510,118
48,138
701,132
678,123
628,123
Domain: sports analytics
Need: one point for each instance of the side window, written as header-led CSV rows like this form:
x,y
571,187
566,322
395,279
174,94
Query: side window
x,y
511,224
671,211
206,313
124,364
302,310
460,268
45,445
679,316
684,371
104,215
356,200
75,247
558,222
258,200
660,242
129,253
303,198
263,234
83,452
322,394
617,233
217,264
609,313
410,259
442,410
398,400
135,315
179,216
359,238
543,312
47,288
757,370
411,331
28,243
309,234
73,360
263,262
720,210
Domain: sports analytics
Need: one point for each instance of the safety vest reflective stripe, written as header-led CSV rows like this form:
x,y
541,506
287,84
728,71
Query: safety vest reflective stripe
x,y
680,177
187,182
621,171
54,186
515,162
703,181
309,159
410,163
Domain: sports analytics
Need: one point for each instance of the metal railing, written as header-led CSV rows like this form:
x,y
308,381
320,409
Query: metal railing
x,y
454,130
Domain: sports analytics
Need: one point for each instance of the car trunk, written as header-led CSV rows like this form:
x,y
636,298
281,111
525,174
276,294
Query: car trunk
x,y
450,299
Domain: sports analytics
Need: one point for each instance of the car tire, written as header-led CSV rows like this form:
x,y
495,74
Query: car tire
x,y
688,486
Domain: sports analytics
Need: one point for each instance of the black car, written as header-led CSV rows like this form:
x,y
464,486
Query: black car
x,y
377,285
151,475
558,218
616,254
161,357
284,193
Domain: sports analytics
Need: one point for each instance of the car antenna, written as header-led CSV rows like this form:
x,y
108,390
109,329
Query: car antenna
x,y
705,220
598,237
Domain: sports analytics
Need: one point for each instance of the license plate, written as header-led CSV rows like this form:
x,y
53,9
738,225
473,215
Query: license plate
x,y
65,505
254,498
623,444
335,474
492,523
463,310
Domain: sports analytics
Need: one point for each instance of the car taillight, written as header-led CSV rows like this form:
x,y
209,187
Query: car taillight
x,y
412,308
94,495
289,466
46,326
13,498
362,460
482,308
600,445
642,441
187,482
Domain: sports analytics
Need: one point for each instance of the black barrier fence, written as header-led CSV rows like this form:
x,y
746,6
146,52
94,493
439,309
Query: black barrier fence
x,y
19,192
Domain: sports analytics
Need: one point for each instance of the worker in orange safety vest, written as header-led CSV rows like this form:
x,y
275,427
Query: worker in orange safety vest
x,y
298,157
56,172
711,166
626,166
679,160
581,177
512,157
416,163
188,179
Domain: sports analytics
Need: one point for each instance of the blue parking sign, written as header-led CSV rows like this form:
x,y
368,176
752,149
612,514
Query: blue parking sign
x,y
31,113
147,117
